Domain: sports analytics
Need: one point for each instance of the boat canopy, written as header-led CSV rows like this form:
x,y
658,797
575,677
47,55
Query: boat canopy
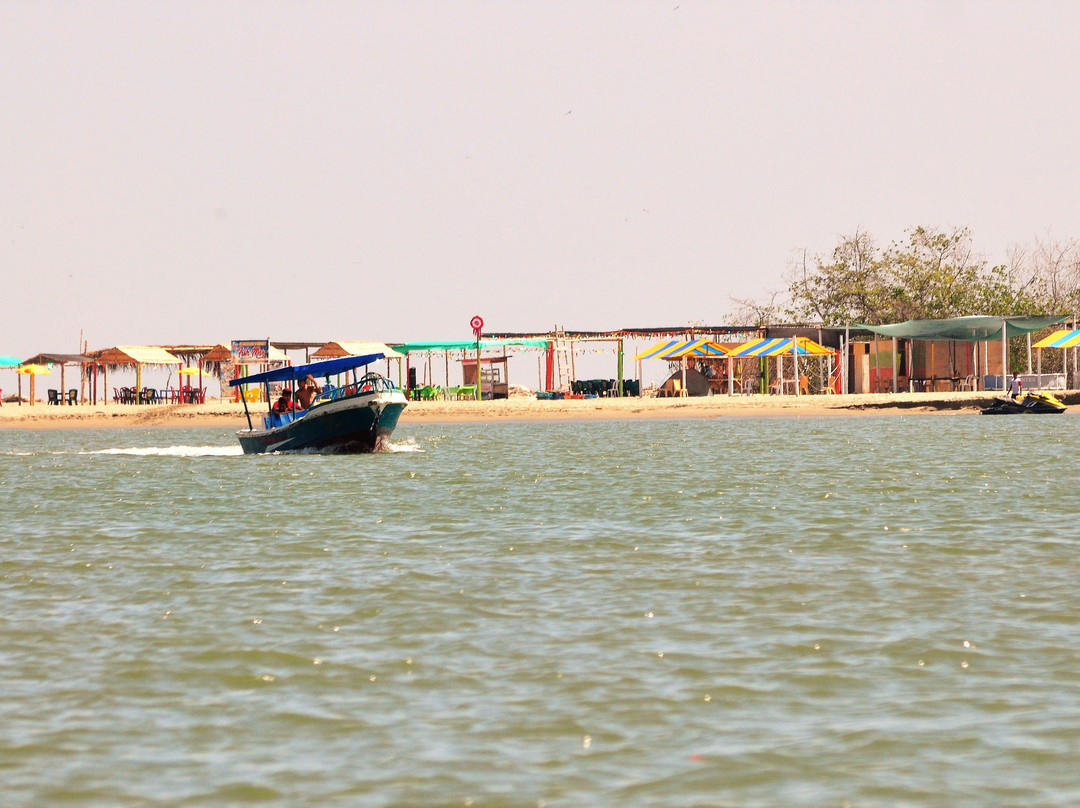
x,y
292,372
966,329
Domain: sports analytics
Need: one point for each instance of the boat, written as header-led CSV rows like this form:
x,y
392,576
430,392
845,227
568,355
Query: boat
x,y
357,416
1040,403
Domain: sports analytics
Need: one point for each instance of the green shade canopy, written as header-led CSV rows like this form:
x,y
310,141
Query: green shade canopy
x,y
966,329
464,345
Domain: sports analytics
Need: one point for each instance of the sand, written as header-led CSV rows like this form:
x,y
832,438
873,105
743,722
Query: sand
x,y
231,415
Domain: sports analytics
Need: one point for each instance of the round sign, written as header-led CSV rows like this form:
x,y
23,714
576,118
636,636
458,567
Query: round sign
x,y
477,322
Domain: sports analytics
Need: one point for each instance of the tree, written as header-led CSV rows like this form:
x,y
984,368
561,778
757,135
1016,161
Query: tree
x,y
934,274
1048,272
844,290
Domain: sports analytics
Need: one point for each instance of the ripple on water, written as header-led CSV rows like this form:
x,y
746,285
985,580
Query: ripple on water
x,y
737,611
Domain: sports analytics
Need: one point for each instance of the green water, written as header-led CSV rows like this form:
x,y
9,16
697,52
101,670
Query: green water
x,y
846,611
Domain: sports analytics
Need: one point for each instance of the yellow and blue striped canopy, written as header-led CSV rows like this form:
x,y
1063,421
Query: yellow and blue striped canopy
x,y
678,348
1059,339
779,346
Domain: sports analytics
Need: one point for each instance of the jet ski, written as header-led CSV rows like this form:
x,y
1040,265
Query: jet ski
x,y
1036,403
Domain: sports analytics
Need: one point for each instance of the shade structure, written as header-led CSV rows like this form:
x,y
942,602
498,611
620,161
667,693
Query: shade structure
x,y
332,350
966,329
9,361
136,355
680,348
470,344
779,346
1059,339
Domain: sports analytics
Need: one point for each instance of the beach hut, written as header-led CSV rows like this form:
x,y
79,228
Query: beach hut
x,y
339,348
470,352
779,347
970,329
684,349
136,356
63,361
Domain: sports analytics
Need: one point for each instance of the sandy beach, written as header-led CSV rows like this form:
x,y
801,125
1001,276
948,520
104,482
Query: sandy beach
x,y
230,414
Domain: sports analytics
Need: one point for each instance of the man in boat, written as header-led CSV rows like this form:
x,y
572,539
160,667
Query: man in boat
x,y
305,392
284,404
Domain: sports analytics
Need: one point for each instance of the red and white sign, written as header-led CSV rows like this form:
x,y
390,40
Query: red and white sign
x,y
477,323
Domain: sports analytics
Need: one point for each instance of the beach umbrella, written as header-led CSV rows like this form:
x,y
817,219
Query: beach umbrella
x,y
32,371
9,361
35,370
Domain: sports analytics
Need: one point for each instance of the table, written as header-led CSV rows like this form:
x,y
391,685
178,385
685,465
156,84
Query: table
x,y
930,384
467,391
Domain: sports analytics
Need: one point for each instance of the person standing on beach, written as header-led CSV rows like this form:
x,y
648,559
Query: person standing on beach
x,y
1016,385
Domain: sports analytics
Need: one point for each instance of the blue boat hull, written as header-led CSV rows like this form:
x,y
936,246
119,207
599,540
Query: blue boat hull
x,y
347,426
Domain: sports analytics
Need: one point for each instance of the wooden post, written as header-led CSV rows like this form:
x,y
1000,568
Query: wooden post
x,y
795,364
620,367
1004,356
894,364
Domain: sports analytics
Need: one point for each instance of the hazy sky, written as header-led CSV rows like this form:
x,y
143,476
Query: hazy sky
x,y
199,172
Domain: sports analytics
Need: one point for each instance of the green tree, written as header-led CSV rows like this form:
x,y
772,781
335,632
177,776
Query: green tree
x,y
845,289
933,274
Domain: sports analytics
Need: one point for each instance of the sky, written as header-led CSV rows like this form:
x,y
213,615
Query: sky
x,y
199,172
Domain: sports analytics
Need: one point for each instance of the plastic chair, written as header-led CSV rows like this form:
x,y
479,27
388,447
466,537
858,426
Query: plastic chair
x,y
73,397
54,397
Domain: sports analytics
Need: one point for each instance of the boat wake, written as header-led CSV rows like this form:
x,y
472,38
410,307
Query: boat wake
x,y
407,445
172,451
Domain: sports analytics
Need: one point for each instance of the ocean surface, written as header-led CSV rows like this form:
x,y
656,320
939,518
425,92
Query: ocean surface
x,y
863,611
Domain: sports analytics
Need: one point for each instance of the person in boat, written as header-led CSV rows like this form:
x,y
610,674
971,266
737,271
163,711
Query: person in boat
x,y
284,403
1016,385
305,391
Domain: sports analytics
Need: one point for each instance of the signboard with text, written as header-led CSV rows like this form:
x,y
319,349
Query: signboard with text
x,y
250,351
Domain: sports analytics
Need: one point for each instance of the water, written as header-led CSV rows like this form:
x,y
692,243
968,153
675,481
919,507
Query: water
x,y
803,612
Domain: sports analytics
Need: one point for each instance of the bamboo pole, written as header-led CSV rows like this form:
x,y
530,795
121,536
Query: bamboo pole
x,y
894,364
